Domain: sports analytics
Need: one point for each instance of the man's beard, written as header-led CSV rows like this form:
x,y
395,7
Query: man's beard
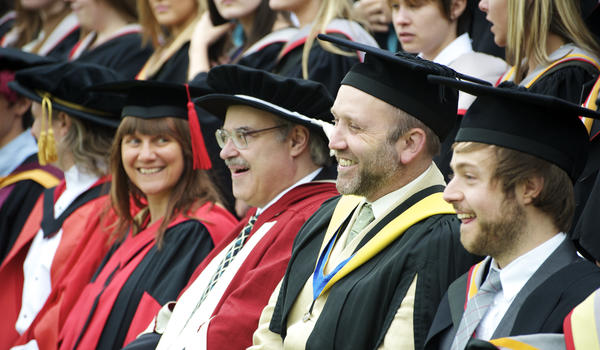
x,y
374,173
501,235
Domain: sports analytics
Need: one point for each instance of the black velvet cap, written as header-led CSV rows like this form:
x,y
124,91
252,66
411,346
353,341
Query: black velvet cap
x,y
401,80
14,59
540,125
148,99
65,84
152,99
296,100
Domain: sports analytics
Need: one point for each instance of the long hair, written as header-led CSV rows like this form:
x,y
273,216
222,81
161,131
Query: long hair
x,y
530,22
28,24
152,31
89,145
328,11
193,188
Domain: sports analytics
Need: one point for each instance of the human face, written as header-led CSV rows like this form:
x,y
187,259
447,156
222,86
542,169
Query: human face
x,y
87,12
263,169
235,9
497,11
368,163
422,28
491,221
42,4
174,14
153,163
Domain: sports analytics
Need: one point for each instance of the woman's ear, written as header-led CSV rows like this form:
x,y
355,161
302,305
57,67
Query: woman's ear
x,y
457,8
61,124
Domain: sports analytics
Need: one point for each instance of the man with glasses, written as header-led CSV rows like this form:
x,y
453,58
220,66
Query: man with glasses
x,y
280,164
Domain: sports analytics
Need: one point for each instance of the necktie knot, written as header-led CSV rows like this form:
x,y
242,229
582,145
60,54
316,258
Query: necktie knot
x,y
363,219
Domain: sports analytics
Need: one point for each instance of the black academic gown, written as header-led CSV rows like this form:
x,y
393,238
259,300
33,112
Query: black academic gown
x,y
136,278
175,69
63,48
361,306
124,54
562,282
18,204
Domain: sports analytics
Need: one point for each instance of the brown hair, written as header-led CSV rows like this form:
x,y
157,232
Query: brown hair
x,y
513,167
151,29
29,24
407,122
463,23
193,189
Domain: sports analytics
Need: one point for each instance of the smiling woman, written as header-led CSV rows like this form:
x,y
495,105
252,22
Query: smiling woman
x,y
169,219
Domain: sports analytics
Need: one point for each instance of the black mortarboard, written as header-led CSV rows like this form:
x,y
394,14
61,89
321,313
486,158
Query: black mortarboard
x,y
153,99
64,84
297,100
540,125
401,80
14,59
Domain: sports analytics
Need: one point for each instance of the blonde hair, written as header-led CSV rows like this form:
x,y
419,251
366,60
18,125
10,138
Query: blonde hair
x,y
328,11
530,22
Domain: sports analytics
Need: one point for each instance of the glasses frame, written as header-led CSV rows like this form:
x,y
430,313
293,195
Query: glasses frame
x,y
241,136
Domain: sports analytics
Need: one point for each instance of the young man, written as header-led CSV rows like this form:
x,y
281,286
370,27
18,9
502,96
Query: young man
x,y
515,159
279,164
386,251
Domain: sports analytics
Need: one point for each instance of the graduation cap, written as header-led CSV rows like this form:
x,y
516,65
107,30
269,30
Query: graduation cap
x,y
401,80
300,101
11,60
62,86
153,99
540,125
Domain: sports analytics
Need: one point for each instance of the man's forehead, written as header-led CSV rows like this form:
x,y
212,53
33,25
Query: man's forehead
x,y
245,116
477,158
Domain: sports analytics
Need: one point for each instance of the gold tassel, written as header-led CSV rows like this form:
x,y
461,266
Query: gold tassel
x,y
48,146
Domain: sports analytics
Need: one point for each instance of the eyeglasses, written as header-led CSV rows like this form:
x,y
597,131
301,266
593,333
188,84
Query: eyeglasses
x,y
238,136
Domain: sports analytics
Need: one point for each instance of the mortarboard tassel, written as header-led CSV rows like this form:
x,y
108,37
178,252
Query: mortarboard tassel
x,y
51,155
201,158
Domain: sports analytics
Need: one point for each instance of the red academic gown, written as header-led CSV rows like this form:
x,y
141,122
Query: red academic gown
x,y
75,230
248,292
136,278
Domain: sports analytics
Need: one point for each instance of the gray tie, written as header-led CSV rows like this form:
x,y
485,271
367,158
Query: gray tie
x,y
364,218
476,309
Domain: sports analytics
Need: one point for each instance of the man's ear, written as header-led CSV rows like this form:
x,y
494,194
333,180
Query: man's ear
x,y
410,145
531,188
21,106
298,140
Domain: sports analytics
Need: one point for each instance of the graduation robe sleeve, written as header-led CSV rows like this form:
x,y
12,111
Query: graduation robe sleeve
x,y
132,284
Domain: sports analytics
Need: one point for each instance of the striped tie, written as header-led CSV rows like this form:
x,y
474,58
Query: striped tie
x,y
231,253
477,307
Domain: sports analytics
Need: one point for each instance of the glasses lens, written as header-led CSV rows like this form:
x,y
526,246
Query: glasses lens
x,y
222,137
239,139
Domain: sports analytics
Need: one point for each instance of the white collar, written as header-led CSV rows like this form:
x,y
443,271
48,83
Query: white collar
x,y
454,50
303,180
514,276
16,151
77,180
383,204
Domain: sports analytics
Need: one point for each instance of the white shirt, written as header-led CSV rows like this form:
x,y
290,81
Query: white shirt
x,y
512,278
454,50
37,265
16,151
